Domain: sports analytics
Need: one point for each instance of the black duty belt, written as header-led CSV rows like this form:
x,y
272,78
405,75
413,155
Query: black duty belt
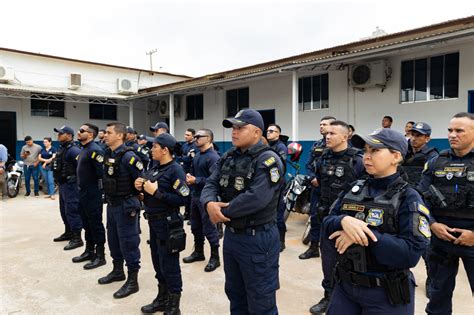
x,y
158,215
252,229
358,279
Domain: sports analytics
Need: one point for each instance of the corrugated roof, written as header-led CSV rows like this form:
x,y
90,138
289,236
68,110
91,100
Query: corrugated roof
x,y
327,53
90,62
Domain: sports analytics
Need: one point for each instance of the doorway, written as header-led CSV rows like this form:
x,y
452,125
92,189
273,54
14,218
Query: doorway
x,y
470,101
8,134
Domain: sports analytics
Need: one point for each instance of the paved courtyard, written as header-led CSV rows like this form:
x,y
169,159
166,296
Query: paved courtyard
x,y
38,277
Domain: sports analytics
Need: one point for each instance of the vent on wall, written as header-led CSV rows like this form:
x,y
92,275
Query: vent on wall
x,y
7,74
75,81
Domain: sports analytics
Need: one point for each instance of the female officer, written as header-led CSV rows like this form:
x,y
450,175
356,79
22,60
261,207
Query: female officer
x,y
380,229
164,189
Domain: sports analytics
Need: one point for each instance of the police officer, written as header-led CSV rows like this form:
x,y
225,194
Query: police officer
x,y
273,138
90,170
203,165
165,190
131,141
122,167
243,192
338,167
316,152
64,172
448,185
101,141
189,150
418,152
380,228
143,148
159,128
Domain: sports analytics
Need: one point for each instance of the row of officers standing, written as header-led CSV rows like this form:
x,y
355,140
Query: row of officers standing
x,y
369,223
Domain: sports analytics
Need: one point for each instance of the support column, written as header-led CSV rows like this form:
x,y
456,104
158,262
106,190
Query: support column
x,y
171,110
130,114
294,107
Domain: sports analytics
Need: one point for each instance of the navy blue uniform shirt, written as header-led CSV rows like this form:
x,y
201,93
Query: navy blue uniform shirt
x,y
129,163
72,154
90,165
402,250
172,190
425,182
136,147
280,148
186,159
203,165
255,198
313,157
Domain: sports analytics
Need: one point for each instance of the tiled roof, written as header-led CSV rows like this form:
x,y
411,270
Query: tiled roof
x,y
324,54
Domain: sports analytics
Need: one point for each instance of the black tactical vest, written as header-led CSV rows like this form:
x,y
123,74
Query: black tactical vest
x,y
117,183
336,174
64,171
380,212
316,152
413,166
154,175
455,180
236,177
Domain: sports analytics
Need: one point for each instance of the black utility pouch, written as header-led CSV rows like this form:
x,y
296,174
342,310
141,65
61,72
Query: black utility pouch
x,y
177,236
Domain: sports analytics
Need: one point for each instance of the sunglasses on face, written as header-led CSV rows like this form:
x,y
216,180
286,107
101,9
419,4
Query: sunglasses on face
x,y
83,130
271,131
200,136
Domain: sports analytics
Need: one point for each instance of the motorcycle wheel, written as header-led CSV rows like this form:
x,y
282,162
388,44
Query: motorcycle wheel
x,y
306,235
286,215
12,190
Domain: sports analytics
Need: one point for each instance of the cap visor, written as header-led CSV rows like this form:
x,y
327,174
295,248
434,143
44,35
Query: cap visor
x,y
420,131
58,130
230,122
149,139
360,141
153,128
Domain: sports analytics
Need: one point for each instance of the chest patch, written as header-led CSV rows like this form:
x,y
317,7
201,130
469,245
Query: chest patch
x,y
360,216
239,183
375,217
352,207
339,171
110,170
470,176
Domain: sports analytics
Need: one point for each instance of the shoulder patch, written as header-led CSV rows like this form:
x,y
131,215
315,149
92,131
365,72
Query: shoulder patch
x,y
93,154
424,226
131,160
422,209
77,157
139,165
425,167
274,174
176,184
184,190
270,161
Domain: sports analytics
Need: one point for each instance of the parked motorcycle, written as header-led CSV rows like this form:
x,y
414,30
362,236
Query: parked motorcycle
x,y
14,176
297,194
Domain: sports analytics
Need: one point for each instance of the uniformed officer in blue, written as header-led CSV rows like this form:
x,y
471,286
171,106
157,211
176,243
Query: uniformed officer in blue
x,y
243,193
315,153
131,141
143,148
419,152
122,168
90,171
203,164
273,138
165,190
64,172
448,186
337,168
381,229
188,151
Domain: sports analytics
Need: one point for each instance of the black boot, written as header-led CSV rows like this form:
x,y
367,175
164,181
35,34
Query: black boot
x,y
173,305
214,261
160,303
116,274
322,305
129,287
220,229
99,258
196,255
313,251
75,242
66,236
282,240
88,254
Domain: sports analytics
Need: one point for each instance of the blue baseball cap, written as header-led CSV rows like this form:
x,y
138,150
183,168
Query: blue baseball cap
x,y
159,125
64,129
166,140
383,138
245,117
422,128
130,129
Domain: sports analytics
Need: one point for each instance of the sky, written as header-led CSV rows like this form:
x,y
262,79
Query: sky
x,y
207,36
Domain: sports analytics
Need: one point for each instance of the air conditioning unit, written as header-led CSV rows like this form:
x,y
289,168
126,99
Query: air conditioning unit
x,y
7,74
163,109
126,87
75,81
369,74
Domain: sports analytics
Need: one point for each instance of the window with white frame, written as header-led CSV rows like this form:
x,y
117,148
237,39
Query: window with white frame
x,y
313,92
237,100
195,107
48,107
430,78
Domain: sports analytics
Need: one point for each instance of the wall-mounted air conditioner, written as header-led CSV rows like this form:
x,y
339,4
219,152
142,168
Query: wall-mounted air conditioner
x,y
126,87
7,74
75,81
163,109
368,74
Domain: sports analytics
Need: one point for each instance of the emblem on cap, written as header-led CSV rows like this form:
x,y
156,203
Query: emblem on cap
x,y
419,126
